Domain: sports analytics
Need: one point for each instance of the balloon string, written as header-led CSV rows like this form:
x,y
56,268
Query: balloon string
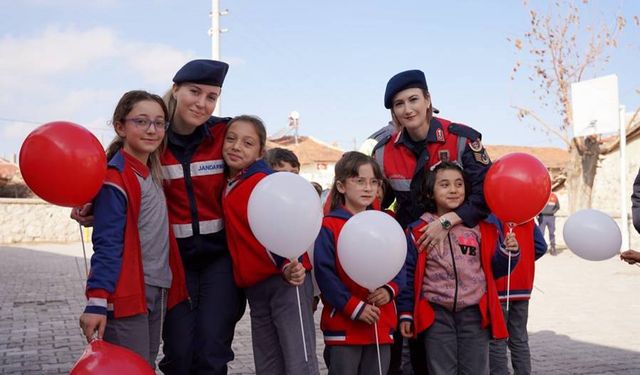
x,y
508,280
84,253
511,225
375,328
304,343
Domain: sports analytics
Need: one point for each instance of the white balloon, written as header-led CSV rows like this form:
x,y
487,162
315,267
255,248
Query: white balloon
x,y
285,214
592,235
372,248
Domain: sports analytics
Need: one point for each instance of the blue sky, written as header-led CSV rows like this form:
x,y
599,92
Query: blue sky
x,y
329,60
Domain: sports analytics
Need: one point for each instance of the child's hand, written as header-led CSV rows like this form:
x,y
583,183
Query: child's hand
x,y
379,297
406,329
90,323
370,314
83,215
294,273
630,256
511,243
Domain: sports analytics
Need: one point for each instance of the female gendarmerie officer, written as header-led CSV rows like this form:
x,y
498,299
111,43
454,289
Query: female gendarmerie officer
x,y
198,333
406,155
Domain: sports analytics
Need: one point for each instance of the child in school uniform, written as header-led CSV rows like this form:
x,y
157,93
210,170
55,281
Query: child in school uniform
x,y
136,270
350,310
532,247
283,160
451,294
268,279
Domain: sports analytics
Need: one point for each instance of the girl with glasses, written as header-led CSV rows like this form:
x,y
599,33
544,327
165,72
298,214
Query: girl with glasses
x,y
350,310
136,259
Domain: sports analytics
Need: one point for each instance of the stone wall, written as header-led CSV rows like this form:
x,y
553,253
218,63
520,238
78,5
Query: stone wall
x,y
34,220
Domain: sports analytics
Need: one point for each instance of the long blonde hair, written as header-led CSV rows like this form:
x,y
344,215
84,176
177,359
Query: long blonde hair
x,y
124,106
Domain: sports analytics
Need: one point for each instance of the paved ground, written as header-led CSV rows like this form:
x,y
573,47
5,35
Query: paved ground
x,y
584,318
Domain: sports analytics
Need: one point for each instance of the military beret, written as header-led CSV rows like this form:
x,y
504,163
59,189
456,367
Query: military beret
x,y
205,72
404,80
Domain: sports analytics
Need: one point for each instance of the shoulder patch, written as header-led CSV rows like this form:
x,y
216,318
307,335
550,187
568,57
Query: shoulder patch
x,y
465,131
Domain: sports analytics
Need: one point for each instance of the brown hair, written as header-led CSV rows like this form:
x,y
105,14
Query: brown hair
x,y
349,166
257,124
278,155
124,106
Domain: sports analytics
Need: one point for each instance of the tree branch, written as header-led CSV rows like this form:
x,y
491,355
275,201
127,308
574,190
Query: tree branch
x,y
523,112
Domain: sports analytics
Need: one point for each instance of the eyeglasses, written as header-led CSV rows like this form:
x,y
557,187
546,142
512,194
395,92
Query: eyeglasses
x,y
145,123
362,182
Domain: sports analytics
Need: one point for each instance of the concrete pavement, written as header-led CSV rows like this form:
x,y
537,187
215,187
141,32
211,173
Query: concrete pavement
x,y
584,316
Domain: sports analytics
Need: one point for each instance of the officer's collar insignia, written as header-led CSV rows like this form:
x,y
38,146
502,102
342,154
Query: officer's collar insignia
x,y
439,135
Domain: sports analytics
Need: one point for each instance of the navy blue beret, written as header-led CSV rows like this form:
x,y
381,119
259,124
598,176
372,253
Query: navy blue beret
x,y
205,72
404,80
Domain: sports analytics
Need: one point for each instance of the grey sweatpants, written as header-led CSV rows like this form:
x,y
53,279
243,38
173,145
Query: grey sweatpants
x,y
275,327
456,343
518,342
141,333
356,359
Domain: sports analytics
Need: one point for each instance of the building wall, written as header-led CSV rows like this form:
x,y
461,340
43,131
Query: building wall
x,y
322,176
606,186
34,220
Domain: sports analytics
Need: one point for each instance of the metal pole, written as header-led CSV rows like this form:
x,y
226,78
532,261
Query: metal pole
x,y
624,199
214,33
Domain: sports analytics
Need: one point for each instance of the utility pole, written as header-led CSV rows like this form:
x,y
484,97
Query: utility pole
x,y
214,33
294,122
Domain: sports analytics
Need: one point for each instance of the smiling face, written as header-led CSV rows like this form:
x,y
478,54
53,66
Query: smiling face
x,y
448,190
242,146
410,110
142,129
359,191
194,104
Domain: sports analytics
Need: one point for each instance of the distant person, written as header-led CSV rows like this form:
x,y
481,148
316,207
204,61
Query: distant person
x,y
532,247
547,220
136,270
282,160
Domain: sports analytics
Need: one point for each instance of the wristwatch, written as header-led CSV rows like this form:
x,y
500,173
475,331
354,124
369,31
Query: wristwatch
x,y
446,224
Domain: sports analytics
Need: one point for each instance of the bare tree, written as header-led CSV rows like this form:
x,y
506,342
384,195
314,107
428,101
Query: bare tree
x,y
558,50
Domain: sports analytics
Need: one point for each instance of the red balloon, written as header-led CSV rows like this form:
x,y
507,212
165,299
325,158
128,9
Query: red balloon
x,y
102,358
63,163
517,187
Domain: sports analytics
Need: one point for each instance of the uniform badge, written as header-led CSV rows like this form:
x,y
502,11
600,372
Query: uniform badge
x,y
439,135
443,155
476,146
482,157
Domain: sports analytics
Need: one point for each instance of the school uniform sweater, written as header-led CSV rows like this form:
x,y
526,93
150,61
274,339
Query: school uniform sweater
x,y
116,280
252,263
343,299
532,247
413,304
